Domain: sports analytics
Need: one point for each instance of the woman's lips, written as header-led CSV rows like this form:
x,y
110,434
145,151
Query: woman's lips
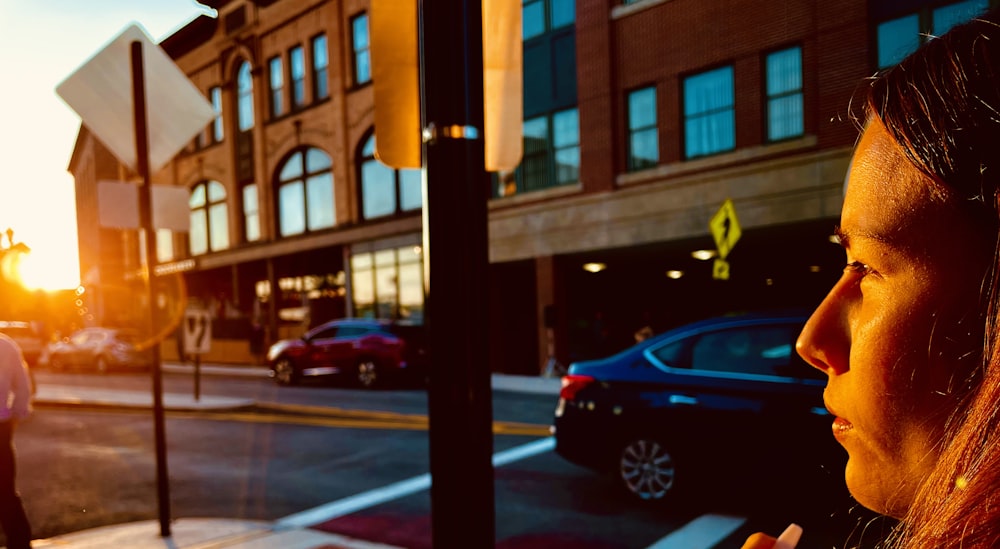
x,y
841,427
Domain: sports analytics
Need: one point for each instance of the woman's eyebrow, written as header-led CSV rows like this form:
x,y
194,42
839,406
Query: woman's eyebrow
x,y
845,237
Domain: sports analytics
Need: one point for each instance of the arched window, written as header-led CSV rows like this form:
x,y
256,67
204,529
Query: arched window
x,y
385,191
209,218
244,97
305,193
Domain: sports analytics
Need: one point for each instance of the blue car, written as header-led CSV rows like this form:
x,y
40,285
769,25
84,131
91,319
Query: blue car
x,y
711,403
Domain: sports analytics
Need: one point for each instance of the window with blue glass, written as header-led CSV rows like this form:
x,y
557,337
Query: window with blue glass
x,y
297,68
541,16
643,139
361,45
384,190
305,193
209,229
709,113
277,80
244,97
898,37
320,65
784,94
551,155
946,17
566,146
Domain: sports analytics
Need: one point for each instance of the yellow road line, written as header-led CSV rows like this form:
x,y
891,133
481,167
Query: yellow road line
x,y
360,420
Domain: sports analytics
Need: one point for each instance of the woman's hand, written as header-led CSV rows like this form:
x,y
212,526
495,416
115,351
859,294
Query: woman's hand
x,y
759,541
787,540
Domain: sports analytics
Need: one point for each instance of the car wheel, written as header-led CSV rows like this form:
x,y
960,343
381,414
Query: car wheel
x,y
366,373
284,372
101,365
56,362
647,469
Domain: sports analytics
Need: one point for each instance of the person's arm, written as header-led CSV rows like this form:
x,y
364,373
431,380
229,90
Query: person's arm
x,y
20,386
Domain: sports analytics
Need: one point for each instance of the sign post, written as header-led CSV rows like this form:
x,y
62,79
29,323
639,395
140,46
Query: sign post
x,y
145,217
197,334
109,93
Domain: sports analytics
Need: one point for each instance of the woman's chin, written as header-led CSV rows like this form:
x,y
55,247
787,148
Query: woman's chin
x,y
868,490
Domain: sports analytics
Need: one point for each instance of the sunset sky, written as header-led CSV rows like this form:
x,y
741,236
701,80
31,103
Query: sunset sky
x,y
41,43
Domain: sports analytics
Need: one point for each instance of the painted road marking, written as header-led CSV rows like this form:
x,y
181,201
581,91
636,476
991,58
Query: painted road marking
x,y
371,498
357,420
703,532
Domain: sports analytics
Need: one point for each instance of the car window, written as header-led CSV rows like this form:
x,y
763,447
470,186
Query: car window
x,y
327,333
674,354
756,350
352,331
79,338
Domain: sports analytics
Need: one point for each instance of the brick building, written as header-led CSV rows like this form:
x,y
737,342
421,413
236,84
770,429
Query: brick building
x,y
641,118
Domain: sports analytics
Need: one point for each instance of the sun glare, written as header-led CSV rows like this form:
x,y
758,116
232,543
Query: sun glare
x,y
41,271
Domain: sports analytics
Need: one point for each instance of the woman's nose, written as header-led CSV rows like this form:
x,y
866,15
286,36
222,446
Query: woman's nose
x,y
825,341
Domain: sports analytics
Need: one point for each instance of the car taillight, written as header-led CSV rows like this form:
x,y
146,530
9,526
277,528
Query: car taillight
x,y
572,384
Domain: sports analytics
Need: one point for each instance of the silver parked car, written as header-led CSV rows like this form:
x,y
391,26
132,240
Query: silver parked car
x,y
100,349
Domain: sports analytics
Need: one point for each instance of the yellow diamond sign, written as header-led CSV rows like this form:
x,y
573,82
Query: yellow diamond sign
x,y
725,228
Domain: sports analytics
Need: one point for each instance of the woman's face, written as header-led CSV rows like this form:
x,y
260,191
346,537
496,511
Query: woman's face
x,y
888,334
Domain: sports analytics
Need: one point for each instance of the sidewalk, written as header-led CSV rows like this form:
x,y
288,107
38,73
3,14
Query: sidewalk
x,y
211,533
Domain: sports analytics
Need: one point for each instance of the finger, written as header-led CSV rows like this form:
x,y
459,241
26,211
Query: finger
x,y
759,541
789,538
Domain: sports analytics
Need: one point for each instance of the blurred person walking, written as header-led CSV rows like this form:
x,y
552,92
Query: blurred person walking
x,y
15,405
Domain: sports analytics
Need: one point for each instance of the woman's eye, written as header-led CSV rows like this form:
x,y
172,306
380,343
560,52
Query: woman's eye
x,y
858,268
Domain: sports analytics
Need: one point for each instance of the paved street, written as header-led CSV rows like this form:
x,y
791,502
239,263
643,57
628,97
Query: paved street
x,y
344,469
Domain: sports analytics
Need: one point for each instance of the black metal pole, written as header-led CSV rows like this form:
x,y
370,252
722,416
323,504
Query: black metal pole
x,y
146,222
197,377
455,226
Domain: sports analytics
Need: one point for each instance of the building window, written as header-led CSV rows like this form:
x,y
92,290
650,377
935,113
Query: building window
x,y
164,245
541,16
563,13
901,36
709,113
216,132
244,97
532,18
897,39
320,62
946,17
551,154
361,44
251,213
643,141
566,142
784,94
209,218
277,86
297,66
385,191
388,284
305,193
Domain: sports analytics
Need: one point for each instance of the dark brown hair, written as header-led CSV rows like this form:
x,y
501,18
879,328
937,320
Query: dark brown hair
x,y
942,106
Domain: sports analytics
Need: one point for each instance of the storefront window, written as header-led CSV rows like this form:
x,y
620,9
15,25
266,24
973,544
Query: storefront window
x,y
388,284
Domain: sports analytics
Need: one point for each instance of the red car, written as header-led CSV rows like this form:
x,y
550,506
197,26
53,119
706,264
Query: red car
x,y
366,352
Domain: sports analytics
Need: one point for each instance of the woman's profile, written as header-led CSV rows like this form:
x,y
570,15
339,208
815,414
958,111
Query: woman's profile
x,y
908,336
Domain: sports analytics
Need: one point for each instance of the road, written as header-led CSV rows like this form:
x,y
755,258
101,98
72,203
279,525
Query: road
x,y
292,458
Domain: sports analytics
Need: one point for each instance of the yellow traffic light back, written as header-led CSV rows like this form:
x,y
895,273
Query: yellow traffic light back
x,y
396,81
